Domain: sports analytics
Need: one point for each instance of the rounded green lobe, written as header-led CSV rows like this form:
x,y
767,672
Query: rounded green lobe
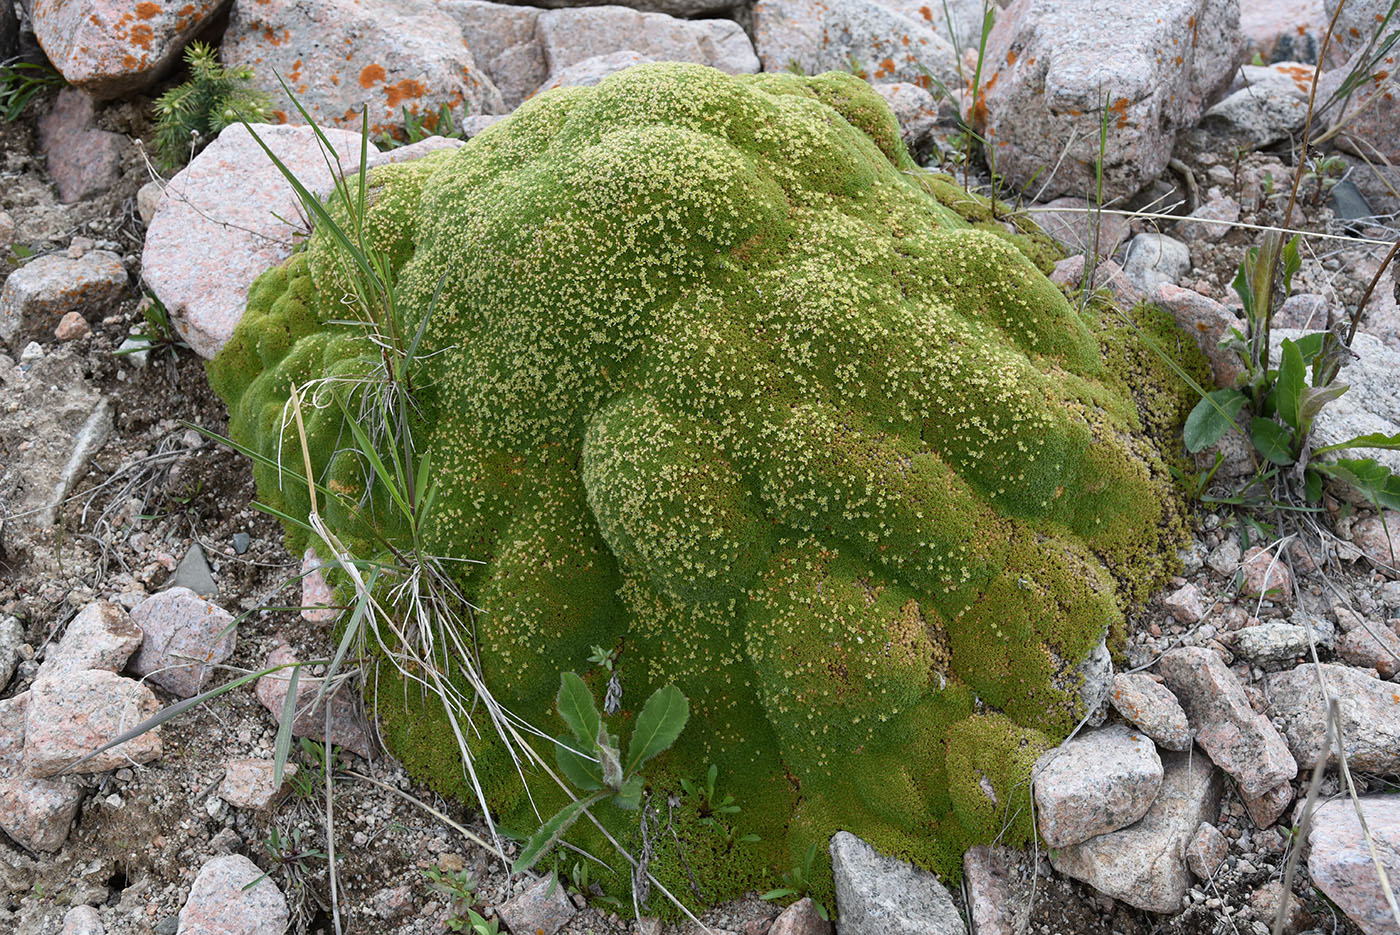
x,y
718,378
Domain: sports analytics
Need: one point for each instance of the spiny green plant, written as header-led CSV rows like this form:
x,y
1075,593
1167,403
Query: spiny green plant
x,y
734,387
190,115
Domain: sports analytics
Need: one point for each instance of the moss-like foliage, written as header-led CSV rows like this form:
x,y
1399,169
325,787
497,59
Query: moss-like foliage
x,y
717,378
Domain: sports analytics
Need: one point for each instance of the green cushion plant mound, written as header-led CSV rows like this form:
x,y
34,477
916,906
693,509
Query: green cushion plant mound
x,y
715,378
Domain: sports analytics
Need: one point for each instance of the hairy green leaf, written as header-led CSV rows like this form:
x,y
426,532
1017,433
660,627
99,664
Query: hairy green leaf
x,y
1372,440
662,719
576,707
1367,475
579,768
551,831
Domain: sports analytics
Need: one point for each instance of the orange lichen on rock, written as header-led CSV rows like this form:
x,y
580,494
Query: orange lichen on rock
x,y
403,90
371,75
147,10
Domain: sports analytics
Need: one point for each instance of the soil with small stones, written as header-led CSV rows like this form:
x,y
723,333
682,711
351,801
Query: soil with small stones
x,y
144,831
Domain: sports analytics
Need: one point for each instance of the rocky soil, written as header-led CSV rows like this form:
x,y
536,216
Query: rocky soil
x,y
136,572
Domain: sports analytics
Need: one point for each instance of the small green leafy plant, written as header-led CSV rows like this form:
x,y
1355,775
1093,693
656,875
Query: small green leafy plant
x,y
418,127
215,97
797,883
712,808
1275,409
19,83
592,761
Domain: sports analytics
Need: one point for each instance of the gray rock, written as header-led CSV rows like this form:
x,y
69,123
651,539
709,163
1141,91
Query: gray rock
x,y
1225,557
1218,207
185,637
83,160
800,918
1144,864
998,890
677,8
1365,121
1096,673
11,639
1372,404
348,727
1357,22
1154,709
241,541
82,920
9,32
42,291
1107,275
148,198
1265,809
36,813
193,574
1369,712
1373,646
1378,538
1155,258
412,151
590,71
890,41
1272,106
1303,311
542,907
1207,851
408,54
232,896
1052,62
220,225
1207,321
503,41
101,47
1270,645
1071,221
1340,862
51,422
101,636
1239,740
569,37
72,713
1283,32
878,895
1102,780
917,112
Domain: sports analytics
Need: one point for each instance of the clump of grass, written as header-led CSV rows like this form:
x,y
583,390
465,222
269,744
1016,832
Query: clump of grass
x,y
215,97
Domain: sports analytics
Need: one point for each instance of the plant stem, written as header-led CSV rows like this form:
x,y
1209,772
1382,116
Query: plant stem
x,y
1307,122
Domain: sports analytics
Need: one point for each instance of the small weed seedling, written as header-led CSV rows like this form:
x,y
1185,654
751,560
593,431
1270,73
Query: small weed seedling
x,y
418,127
591,760
797,883
712,808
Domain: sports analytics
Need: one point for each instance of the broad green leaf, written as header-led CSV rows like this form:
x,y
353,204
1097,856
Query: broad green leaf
x,y
1312,485
629,797
551,831
1212,418
1288,388
576,707
1273,440
1310,344
577,767
1369,476
1373,440
662,719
